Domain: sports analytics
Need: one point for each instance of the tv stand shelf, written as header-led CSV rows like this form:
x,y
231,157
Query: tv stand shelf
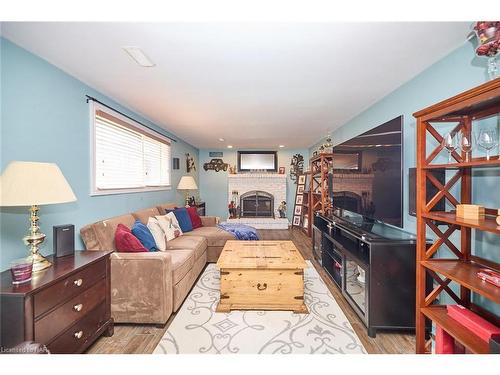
x,y
373,265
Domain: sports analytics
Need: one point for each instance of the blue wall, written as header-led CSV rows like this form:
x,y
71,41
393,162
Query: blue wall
x,y
44,117
213,185
457,72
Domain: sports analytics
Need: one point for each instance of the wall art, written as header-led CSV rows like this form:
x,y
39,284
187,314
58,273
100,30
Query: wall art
x,y
296,167
190,163
216,165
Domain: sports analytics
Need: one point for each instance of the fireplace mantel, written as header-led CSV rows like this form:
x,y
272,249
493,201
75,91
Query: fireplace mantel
x,y
257,175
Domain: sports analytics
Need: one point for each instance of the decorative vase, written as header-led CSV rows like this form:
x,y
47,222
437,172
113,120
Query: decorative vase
x,y
488,35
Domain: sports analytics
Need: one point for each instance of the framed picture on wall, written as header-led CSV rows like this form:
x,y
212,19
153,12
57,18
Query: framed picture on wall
x,y
302,179
298,210
299,199
176,163
296,220
282,170
300,189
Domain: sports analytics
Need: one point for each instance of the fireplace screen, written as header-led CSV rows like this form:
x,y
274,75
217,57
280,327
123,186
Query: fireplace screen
x,y
257,204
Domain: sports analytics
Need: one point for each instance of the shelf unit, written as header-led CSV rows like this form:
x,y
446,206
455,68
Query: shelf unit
x,y
463,109
318,197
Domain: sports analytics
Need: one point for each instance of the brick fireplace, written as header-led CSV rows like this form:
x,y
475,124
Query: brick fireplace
x,y
259,196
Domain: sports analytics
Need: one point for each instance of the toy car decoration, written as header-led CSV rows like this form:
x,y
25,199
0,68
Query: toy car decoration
x,y
216,165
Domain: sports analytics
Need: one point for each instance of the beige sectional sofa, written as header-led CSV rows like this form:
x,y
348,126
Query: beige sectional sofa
x,y
147,287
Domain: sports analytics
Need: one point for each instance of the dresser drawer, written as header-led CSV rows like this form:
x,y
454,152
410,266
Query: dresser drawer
x,y
78,336
51,324
68,287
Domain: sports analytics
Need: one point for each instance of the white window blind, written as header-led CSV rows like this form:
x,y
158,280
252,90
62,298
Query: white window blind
x,y
127,157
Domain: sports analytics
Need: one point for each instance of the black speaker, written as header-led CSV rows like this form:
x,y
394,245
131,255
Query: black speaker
x,y
64,240
430,189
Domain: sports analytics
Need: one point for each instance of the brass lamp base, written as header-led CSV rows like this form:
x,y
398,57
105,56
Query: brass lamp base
x,y
34,239
40,263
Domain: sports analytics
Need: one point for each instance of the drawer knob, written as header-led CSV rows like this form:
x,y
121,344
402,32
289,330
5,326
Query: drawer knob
x,y
262,287
78,307
78,282
78,335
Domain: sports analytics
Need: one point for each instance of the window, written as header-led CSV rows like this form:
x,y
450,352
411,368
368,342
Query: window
x,y
127,157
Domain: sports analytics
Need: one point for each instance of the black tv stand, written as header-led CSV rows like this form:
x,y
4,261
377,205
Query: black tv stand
x,y
373,264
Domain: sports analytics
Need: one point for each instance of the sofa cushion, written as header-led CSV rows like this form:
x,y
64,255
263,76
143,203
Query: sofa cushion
x,y
169,229
166,206
194,217
105,230
126,242
183,218
195,243
182,262
145,214
174,222
158,234
214,235
142,233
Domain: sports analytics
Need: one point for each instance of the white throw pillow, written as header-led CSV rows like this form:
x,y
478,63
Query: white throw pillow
x,y
158,234
174,221
168,228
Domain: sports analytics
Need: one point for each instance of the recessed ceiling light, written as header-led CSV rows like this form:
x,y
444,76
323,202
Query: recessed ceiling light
x,y
281,146
139,56
229,146
221,139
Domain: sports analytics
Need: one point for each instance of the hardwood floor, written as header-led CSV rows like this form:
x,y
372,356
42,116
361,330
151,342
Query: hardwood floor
x,y
133,338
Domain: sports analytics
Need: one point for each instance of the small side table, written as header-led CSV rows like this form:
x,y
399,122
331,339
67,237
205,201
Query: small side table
x,y
200,207
65,307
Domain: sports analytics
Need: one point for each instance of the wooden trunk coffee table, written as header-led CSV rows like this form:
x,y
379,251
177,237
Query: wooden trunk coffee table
x,y
261,275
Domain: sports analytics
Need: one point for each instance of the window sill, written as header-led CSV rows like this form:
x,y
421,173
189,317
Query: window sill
x,y
129,191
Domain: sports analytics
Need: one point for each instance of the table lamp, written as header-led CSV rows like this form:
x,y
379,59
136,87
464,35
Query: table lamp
x,y
34,184
187,183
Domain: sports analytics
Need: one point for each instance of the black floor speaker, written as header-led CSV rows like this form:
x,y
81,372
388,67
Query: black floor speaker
x,y
64,240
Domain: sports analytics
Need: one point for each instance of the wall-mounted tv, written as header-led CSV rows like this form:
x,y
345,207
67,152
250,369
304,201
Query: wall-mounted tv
x,y
257,161
368,173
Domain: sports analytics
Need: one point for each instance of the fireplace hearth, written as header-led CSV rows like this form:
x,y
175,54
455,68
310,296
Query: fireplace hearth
x,y
257,203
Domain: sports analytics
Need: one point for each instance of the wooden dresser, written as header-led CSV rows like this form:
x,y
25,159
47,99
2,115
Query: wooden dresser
x,y
65,307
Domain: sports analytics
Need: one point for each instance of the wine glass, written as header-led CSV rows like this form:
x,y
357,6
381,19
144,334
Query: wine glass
x,y
465,144
450,143
488,140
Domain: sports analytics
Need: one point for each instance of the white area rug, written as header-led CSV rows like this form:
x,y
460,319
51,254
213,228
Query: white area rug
x,y
197,328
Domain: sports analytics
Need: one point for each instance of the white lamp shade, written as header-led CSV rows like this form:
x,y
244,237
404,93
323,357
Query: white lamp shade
x,y
187,183
28,183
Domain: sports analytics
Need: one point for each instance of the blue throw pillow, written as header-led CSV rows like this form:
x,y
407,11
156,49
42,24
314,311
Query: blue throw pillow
x,y
144,235
182,217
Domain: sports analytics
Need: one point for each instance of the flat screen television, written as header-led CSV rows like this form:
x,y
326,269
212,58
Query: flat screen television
x,y
257,161
367,176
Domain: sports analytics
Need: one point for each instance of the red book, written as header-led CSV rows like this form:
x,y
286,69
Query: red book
x,y
481,327
444,342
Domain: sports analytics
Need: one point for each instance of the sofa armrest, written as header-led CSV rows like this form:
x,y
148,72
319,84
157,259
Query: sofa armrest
x,y
141,287
209,221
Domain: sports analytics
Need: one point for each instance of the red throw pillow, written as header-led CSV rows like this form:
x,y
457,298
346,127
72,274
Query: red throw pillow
x,y
126,242
194,217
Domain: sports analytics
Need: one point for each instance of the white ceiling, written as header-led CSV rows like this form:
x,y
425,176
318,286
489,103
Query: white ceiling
x,y
256,85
